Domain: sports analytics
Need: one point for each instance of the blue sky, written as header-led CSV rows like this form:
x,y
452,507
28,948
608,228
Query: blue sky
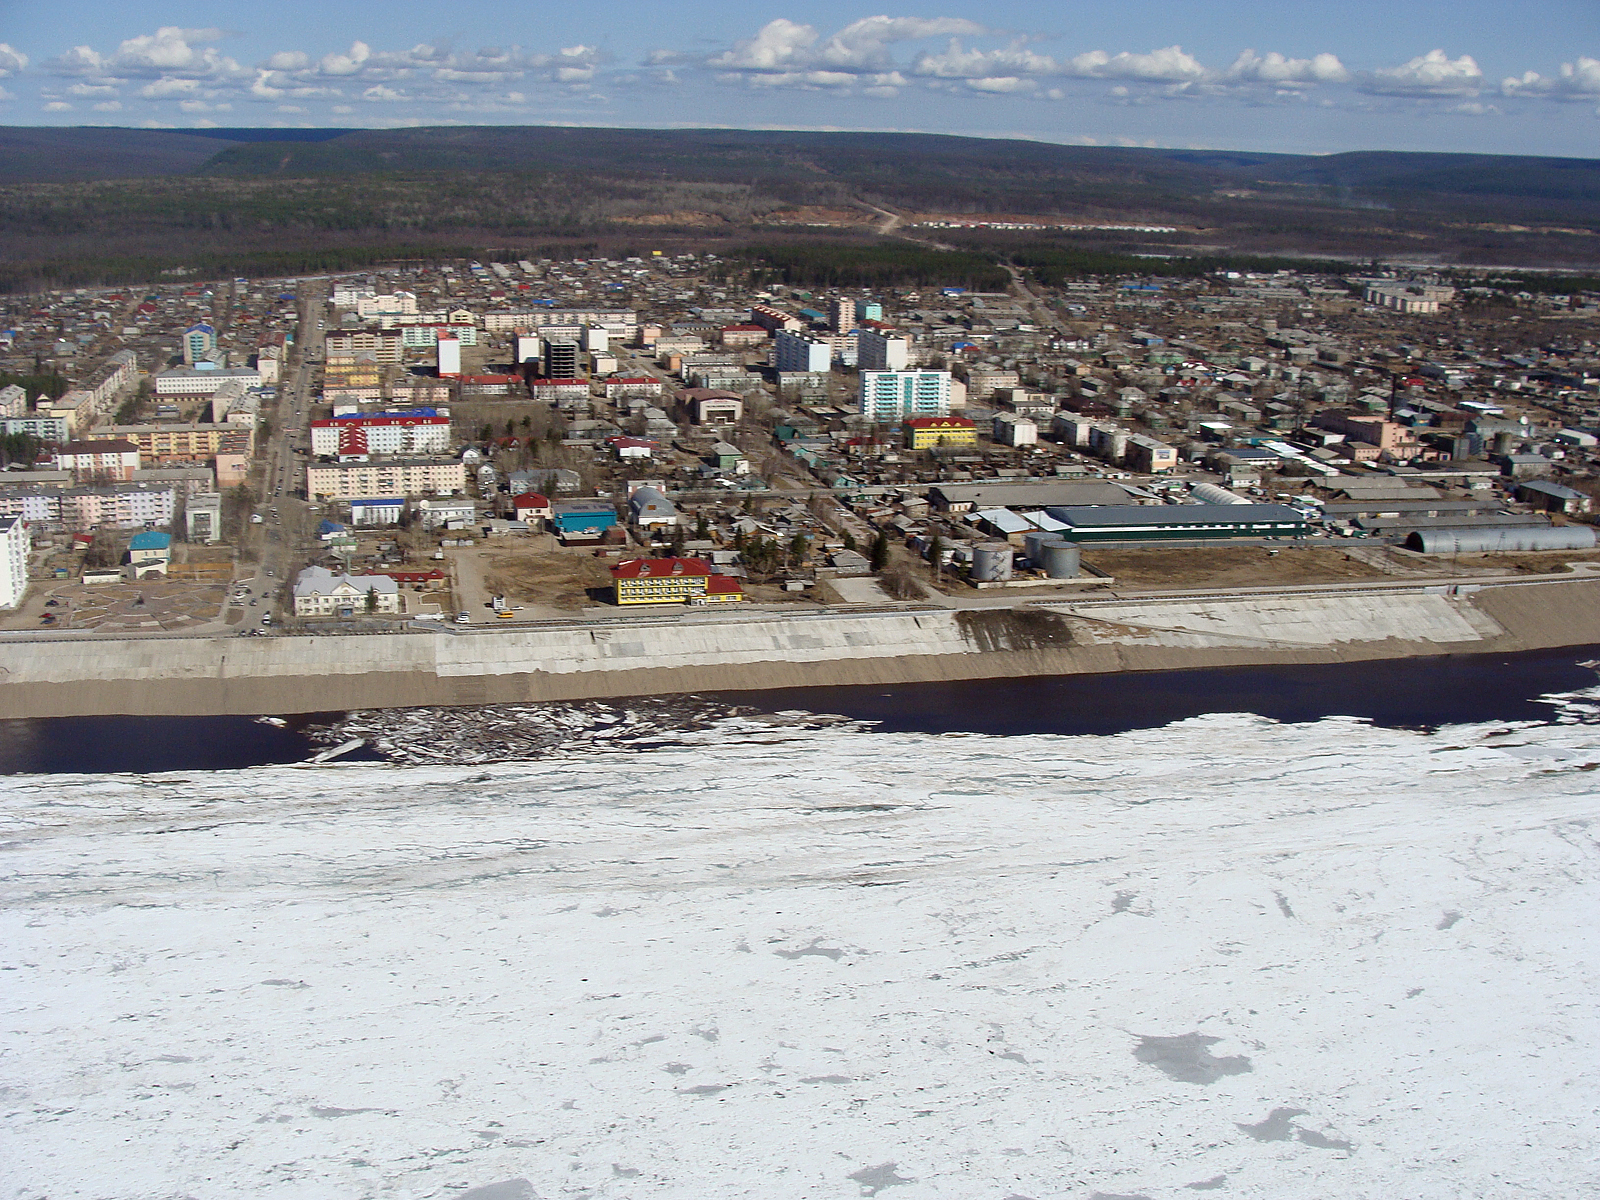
x,y
1293,76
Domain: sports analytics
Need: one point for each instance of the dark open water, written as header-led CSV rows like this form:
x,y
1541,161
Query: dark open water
x,y
1416,692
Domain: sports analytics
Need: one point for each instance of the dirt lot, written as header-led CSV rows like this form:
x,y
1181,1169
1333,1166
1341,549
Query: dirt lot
x,y
1540,562
1228,566
550,579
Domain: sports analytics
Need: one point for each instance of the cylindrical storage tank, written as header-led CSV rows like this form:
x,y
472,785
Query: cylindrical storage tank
x,y
1061,559
991,562
1210,493
1033,540
1490,539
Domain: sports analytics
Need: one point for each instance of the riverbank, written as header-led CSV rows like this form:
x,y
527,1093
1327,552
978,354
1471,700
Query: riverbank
x,y
728,652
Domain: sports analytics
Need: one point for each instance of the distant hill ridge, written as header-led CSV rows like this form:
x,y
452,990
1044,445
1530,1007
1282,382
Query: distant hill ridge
x,y
881,162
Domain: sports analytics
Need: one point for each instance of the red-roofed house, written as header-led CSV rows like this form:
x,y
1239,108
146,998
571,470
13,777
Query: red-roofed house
x,y
530,506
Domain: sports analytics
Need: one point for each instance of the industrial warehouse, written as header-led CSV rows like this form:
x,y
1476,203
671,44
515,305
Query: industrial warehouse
x,y
1166,523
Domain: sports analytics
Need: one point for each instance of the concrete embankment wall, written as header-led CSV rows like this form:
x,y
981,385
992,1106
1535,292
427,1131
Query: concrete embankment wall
x,y
729,652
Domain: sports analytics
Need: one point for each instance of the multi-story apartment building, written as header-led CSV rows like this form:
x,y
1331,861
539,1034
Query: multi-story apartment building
x,y
398,304
127,506
198,343
620,323
380,434
774,320
112,461
389,477
891,395
165,443
13,561
877,350
842,315
383,345
800,352
45,428
35,505
13,402
186,381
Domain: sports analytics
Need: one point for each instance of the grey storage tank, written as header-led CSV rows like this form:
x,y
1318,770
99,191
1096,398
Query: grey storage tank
x,y
1489,539
991,562
1061,558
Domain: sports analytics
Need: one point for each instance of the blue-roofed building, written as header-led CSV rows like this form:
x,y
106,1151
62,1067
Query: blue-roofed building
x,y
149,553
384,511
584,521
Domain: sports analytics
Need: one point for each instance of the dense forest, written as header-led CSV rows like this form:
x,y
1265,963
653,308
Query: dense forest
x,y
220,202
894,265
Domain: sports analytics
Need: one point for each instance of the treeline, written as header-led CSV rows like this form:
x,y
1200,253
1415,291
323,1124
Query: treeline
x,y
872,267
111,271
36,385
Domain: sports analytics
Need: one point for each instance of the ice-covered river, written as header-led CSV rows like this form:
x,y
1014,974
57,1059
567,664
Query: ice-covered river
x,y
794,958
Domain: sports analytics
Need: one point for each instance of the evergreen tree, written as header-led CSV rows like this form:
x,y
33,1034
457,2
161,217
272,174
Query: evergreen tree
x,y
879,557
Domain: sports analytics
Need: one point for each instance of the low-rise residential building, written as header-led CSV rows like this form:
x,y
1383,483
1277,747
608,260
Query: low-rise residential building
x,y
319,592
672,581
47,428
712,407
388,477
921,433
381,510
446,514
149,553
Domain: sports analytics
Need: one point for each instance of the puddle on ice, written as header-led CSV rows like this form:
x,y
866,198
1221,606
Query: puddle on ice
x,y
1188,1059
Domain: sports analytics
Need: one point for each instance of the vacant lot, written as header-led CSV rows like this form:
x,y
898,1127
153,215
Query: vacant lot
x,y
1539,562
1228,566
556,579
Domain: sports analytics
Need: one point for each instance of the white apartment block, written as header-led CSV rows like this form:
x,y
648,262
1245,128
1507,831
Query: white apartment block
x,y
890,395
45,428
186,381
620,323
130,506
399,304
380,435
798,352
395,477
878,351
13,561
1012,430
13,402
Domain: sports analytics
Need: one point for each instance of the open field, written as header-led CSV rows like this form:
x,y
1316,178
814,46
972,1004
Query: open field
x,y
1229,566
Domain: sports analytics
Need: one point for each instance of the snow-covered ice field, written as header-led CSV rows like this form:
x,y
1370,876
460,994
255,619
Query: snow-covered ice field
x,y
1316,961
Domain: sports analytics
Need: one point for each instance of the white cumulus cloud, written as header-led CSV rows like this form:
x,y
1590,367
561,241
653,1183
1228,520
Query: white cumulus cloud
x,y
1577,81
1168,65
11,60
1275,68
1432,74
169,51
